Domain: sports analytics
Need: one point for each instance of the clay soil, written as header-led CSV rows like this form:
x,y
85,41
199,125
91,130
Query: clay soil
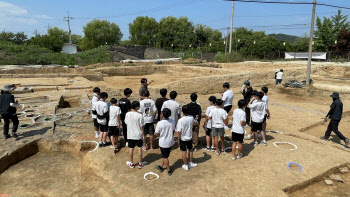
x,y
263,170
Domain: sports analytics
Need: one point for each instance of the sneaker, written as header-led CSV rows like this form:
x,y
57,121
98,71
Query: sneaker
x,y
217,153
152,147
195,149
126,144
159,168
248,137
131,165
185,167
100,145
141,165
170,172
264,142
240,155
213,149
115,151
97,134
256,143
7,136
192,165
207,148
347,142
104,144
14,135
324,138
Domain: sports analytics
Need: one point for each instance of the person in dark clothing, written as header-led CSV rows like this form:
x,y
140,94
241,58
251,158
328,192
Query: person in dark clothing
x,y
144,87
160,101
195,110
8,110
247,95
335,114
125,107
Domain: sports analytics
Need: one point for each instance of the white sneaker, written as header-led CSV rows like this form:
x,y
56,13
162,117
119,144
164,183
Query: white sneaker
x,y
97,134
256,143
185,167
192,165
264,142
248,137
131,165
126,144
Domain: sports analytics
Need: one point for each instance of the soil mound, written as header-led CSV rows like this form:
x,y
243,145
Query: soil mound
x,y
119,53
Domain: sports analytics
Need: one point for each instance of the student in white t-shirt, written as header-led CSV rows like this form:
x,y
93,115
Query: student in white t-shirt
x,y
258,112
100,109
94,99
165,132
279,76
219,121
114,123
250,135
184,132
227,97
238,123
207,125
174,108
148,110
134,122
265,90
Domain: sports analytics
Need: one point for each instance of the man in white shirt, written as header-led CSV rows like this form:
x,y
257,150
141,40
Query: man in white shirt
x,y
207,125
114,123
238,123
279,76
165,132
100,109
258,112
95,98
174,108
265,90
184,129
219,121
149,111
227,97
134,122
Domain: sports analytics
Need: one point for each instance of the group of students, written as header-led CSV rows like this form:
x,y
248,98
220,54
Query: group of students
x,y
138,120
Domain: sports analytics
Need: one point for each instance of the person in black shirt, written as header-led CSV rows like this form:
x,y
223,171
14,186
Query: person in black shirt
x,y
125,107
195,110
247,95
144,87
160,101
8,110
335,114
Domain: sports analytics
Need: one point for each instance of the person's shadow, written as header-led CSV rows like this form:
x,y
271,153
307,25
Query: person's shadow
x,y
178,164
33,133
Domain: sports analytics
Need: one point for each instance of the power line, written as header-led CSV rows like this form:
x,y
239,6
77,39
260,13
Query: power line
x,y
333,6
272,2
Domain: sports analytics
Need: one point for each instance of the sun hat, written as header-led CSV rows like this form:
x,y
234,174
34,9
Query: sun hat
x,y
335,95
8,87
277,70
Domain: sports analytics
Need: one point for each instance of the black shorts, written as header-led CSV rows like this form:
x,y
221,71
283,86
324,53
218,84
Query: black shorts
x,y
236,137
103,128
165,152
133,143
265,117
228,108
208,132
256,126
149,129
186,145
113,131
96,123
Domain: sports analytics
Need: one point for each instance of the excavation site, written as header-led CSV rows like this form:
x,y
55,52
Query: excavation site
x,y
56,152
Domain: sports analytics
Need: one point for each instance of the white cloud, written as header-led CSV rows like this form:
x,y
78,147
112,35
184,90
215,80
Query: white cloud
x,y
42,16
8,9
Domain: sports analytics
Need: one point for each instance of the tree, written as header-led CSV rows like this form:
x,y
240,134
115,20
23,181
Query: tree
x,y
343,43
301,44
18,38
328,29
207,39
143,31
100,32
53,40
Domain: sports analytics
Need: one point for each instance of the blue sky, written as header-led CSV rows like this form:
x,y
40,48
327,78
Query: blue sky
x,y
26,16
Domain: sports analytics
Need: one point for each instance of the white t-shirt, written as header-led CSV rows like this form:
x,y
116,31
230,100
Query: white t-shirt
x,y
209,123
114,111
238,116
227,97
174,108
279,75
218,116
184,126
134,121
258,111
94,100
166,135
147,108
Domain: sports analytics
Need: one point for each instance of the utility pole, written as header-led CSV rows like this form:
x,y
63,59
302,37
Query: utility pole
x,y
308,71
35,33
226,40
69,31
48,26
229,51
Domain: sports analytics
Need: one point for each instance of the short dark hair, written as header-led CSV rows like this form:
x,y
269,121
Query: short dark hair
x,y
212,99
254,92
96,90
143,80
135,104
226,85
219,102
146,93
185,109
265,89
173,94
163,92
281,70
104,95
127,91
114,101
166,113
194,97
241,103
260,95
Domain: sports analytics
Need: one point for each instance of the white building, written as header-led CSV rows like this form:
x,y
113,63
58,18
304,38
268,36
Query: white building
x,y
69,48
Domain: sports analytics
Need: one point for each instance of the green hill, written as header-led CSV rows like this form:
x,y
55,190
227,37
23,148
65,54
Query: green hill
x,y
284,37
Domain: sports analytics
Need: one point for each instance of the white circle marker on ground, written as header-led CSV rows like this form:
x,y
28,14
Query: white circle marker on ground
x,y
91,142
275,143
151,173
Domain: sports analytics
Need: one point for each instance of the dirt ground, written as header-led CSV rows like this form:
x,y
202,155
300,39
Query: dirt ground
x,y
58,168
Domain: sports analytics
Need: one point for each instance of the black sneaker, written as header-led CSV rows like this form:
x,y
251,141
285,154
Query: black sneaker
x,y
7,137
14,135
170,172
159,168
115,151
347,142
104,145
324,138
100,145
